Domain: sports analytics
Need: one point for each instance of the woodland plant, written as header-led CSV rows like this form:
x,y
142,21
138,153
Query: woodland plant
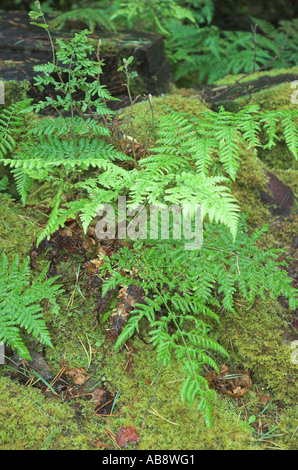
x,y
186,290
193,161
194,45
22,304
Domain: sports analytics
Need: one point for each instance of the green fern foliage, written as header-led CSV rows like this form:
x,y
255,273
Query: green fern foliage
x,y
21,304
92,17
194,48
11,120
184,291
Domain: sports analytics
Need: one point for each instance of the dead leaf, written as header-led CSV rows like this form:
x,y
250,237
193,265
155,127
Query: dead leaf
x,y
127,435
264,399
65,232
79,376
100,444
105,402
128,296
235,384
97,394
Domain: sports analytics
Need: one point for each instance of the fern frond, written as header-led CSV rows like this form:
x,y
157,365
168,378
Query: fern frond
x,y
20,304
11,120
23,183
91,17
291,135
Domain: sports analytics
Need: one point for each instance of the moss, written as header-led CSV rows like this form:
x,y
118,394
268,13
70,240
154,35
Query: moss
x,y
289,177
256,339
15,91
74,335
251,179
142,113
276,98
169,424
288,428
257,342
18,228
229,79
30,421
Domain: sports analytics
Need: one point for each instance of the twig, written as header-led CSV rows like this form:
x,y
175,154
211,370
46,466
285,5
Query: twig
x,y
254,30
156,413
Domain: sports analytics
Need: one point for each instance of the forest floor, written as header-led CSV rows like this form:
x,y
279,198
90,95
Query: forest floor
x,y
84,394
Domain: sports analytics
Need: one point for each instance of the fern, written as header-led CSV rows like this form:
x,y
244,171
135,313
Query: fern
x,y
21,304
3,184
232,51
190,288
63,126
23,182
11,120
154,13
92,17
192,162
57,147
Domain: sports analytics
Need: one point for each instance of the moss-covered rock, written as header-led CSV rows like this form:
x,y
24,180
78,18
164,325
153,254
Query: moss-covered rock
x,y
257,339
30,421
142,113
230,79
251,177
169,424
15,91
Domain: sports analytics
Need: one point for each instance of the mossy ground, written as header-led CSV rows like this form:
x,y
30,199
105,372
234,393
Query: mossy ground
x,y
255,338
18,228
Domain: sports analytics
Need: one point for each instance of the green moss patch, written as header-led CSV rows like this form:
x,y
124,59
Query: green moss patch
x,y
18,229
30,421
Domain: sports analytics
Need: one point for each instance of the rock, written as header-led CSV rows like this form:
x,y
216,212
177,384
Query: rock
x,y
25,367
24,45
279,195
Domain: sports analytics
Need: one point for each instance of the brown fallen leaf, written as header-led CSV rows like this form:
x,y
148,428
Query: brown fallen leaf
x,y
235,384
128,296
100,444
97,394
127,435
264,399
104,403
79,376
